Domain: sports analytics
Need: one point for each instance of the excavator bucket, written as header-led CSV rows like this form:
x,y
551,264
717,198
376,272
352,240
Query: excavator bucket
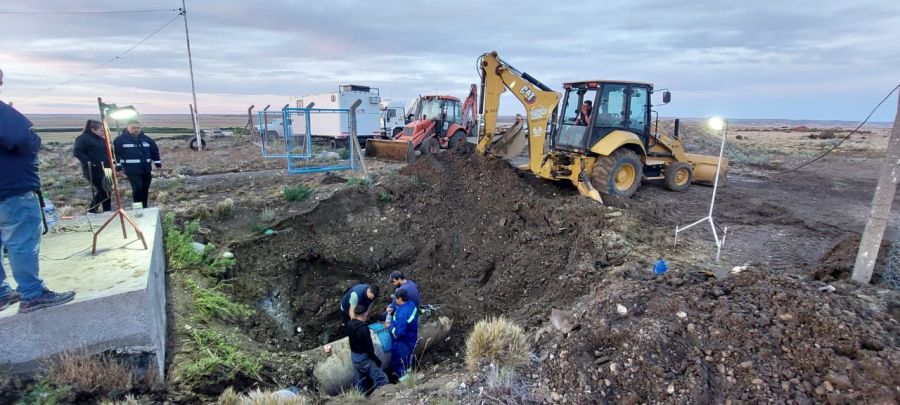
x,y
401,151
512,142
705,169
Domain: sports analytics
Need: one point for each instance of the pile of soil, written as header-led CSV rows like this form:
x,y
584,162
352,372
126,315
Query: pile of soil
x,y
753,337
476,238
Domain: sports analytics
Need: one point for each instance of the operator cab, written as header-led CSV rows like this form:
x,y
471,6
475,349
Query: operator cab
x,y
443,109
593,109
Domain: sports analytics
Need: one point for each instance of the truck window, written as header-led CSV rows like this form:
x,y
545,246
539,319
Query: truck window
x,y
391,113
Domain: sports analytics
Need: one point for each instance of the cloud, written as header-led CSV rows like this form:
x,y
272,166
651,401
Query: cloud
x,y
803,59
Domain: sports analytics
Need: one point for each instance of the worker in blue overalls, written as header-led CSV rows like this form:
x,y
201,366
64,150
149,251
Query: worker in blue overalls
x,y
404,327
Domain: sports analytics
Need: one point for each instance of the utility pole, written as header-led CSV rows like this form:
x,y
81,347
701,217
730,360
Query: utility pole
x,y
881,207
187,37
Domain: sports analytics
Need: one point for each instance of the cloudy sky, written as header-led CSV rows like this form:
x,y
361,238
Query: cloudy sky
x,y
819,59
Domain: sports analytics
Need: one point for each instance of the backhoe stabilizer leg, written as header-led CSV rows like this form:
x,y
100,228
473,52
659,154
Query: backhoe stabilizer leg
x,y
586,188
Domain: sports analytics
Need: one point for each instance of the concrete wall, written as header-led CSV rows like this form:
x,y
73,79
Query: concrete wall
x,y
124,312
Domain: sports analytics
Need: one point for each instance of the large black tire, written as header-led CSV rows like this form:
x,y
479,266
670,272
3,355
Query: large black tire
x,y
679,176
618,174
457,141
396,131
429,146
193,143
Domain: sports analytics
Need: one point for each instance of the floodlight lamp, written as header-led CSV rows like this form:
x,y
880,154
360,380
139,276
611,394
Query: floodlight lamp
x,y
716,123
123,113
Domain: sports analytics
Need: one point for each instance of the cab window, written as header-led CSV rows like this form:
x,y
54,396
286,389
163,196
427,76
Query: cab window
x,y
637,116
611,110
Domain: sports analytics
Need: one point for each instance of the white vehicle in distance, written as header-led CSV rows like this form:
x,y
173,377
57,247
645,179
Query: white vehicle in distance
x,y
393,118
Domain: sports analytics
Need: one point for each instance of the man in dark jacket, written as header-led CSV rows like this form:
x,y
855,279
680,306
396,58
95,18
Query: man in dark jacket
x,y
367,373
134,154
20,214
358,295
90,149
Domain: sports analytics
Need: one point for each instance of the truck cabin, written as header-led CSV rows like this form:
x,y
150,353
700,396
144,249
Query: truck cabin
x,y
594,109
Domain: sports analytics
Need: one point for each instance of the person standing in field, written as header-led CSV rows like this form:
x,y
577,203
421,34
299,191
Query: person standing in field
x,y
20,214
90,149
135,152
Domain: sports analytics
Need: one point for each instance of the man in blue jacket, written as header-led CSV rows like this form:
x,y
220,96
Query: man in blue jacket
x,y
20,214
404,327
135,151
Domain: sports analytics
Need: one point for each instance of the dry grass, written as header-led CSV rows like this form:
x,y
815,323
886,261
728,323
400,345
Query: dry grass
x,y
129,400
267,215
230,397
505,387
223,210
87,373
497,341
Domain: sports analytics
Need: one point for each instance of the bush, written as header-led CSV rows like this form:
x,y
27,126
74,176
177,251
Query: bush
x,y
179,243
220,354
496,341
212,303
344,154
82,372
358,181
298,193
229,397
384,197
267,215
223,209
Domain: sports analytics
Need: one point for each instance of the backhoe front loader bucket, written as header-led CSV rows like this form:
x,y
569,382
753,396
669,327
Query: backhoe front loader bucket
x,y
512,142
401,151
705,169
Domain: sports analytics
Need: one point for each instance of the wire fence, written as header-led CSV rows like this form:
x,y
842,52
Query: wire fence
x,y
891,275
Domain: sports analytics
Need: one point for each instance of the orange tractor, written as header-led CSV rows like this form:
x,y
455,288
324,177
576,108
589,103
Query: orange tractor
x,y
436,122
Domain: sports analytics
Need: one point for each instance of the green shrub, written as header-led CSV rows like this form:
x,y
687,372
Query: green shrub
x,y
384,197
359,181
298,193
344,153
211,303
220,354
179,243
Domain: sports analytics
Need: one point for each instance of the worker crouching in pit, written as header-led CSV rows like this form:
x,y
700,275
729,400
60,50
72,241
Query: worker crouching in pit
x,y
360,295
404,327
367,373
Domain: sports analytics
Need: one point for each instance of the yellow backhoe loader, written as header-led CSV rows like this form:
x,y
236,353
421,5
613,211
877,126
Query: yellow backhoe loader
x,y
602,137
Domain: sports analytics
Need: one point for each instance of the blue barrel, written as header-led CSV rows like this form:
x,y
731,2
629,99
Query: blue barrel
x,y
384,336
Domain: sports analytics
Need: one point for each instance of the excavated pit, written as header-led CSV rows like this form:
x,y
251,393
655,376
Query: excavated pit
x,y
476,238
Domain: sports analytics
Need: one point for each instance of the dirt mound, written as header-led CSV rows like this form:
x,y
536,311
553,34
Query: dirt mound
x,y
838,263
475,237
754,337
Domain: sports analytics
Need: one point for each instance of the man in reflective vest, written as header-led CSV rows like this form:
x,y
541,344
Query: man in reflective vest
x,y
135,152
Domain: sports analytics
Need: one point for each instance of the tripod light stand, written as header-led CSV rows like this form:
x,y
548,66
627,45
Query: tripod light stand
x,y
115,113
721,126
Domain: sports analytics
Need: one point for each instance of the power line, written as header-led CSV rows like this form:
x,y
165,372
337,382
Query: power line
x,y
86,12
111,60
846,137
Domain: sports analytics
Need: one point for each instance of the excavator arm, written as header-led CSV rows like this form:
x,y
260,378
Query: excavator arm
x,y
540,106
539,101
469,111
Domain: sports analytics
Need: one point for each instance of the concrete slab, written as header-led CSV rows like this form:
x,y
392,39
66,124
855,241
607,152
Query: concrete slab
x,y
120,303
